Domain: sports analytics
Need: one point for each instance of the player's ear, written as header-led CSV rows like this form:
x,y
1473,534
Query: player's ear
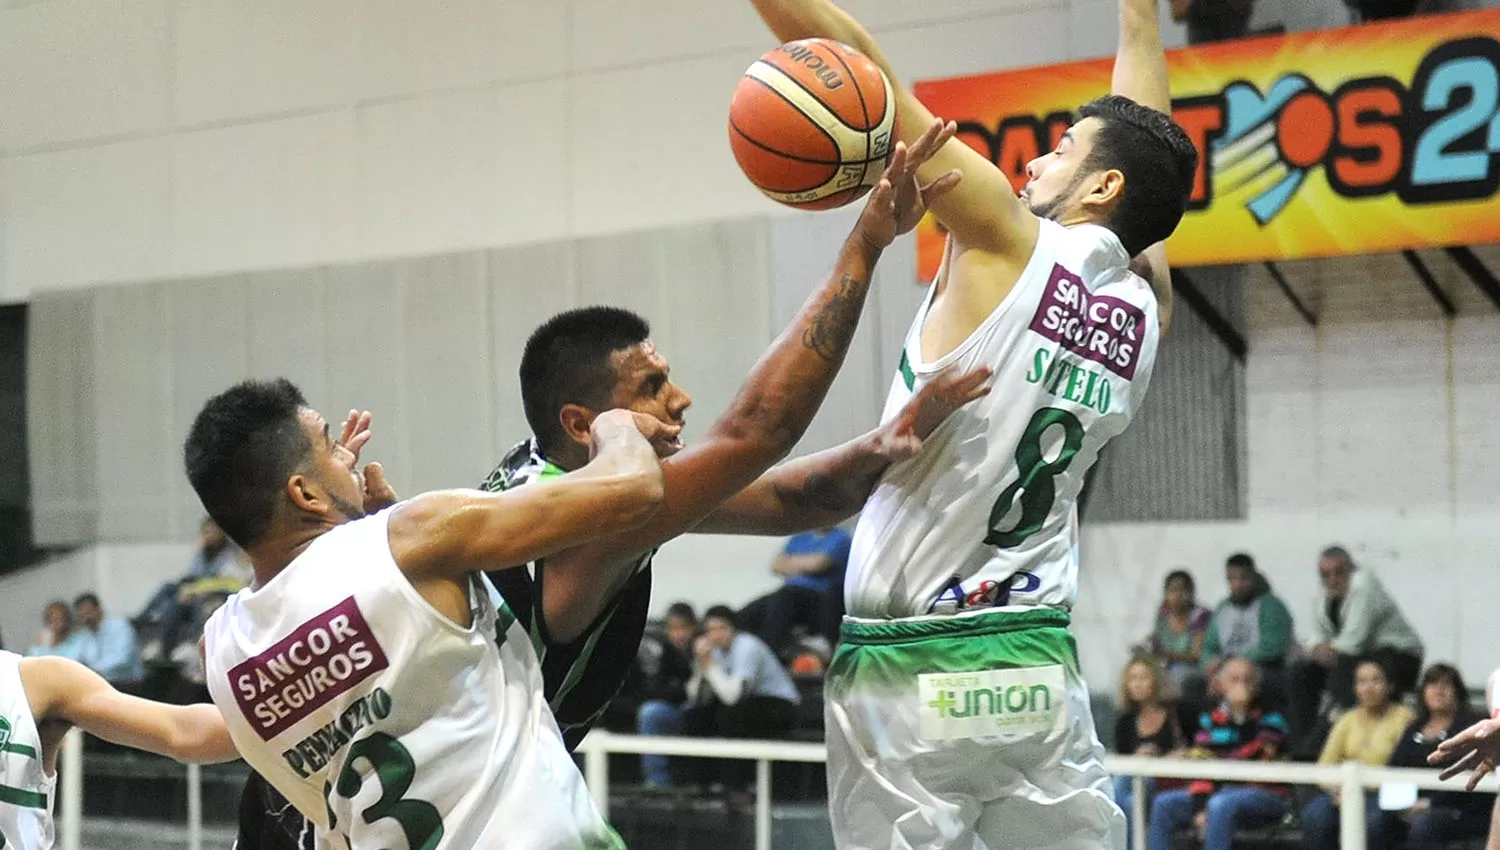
x,y
576,421
1105,190
306,495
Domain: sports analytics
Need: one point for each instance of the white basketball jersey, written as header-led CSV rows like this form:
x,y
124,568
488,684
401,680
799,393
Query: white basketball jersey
x,y
985,516
385,723
26,791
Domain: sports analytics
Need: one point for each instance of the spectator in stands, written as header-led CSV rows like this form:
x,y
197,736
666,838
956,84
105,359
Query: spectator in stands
x,y
665,690
216,570
1439,817
1251,623
1147,724
739,689
1213,20
1367,734
811,595
1176,640
58,637
109,644
1239,729
1358,619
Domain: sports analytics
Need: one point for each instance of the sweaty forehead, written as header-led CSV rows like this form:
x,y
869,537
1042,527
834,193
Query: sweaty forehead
x,y
638,358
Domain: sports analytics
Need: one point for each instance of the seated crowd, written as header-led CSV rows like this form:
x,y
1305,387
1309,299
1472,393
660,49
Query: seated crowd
x,y
1235,685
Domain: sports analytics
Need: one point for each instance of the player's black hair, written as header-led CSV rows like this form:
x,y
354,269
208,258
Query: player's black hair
x,y
244,444
1241,560
1183,576
1158,160
86,597
721,612
683,610
567,361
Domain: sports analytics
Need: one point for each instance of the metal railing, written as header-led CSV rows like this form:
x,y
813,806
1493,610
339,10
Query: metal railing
x,y
1351,778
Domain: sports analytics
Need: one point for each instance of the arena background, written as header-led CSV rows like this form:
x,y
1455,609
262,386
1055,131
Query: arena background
x,y
379,199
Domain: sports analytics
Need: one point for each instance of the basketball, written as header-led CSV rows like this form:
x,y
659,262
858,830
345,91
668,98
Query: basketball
x,y
812,124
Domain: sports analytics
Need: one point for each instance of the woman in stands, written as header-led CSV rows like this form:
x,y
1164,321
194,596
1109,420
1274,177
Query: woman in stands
x,y
1177,638
1368,733
1439,817
1147,725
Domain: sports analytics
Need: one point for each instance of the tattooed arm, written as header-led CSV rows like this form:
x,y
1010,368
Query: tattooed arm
x,y
768,415
826,488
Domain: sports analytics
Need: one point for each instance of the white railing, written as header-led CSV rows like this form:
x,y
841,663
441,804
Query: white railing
x,y
1351,778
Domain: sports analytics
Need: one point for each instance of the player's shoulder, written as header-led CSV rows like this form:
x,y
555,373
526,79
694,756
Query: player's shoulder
x,y
522,463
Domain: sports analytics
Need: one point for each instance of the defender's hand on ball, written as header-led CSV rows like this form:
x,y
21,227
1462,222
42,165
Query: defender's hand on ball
x,y
899,201
902,437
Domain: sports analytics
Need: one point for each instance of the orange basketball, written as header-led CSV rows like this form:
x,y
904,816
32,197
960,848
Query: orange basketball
x,y
812,124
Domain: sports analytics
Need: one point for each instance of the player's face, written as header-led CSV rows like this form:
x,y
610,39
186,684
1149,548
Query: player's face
x,y
1370,686
1055,180
332,466
643,383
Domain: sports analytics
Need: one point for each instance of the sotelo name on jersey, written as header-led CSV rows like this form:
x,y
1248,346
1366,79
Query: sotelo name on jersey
x,y
312,753
1070,380
319,660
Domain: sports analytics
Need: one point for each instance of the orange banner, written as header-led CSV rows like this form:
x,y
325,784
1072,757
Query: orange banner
x,y
1374,138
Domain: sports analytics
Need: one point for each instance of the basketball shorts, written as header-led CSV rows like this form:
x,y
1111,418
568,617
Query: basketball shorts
x,y
965,732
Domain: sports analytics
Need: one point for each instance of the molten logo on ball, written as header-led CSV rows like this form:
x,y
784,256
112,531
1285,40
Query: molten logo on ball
x,y
812,124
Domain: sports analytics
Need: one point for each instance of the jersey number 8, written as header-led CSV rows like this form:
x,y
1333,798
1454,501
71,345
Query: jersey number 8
x,y
1034,488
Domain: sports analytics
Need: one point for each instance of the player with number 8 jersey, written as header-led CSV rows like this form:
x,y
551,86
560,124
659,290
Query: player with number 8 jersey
x,y
957,715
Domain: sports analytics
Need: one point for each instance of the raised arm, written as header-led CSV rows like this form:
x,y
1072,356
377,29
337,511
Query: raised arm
x,y
984,212
770,412
1141,74
450,533
63,689
826,488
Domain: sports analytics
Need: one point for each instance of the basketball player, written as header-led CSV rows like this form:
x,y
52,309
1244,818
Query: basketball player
x,y
956,713
366,674
586,608
42,698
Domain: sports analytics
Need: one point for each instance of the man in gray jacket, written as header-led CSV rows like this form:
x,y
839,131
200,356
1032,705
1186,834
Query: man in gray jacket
x,y
1357,619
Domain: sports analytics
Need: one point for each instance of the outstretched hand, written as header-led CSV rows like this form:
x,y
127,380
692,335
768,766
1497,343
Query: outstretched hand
x,y
950,389
899,201
1477,748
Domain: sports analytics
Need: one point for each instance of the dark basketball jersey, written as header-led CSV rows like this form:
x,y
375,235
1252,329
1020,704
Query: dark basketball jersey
x,y
579,678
